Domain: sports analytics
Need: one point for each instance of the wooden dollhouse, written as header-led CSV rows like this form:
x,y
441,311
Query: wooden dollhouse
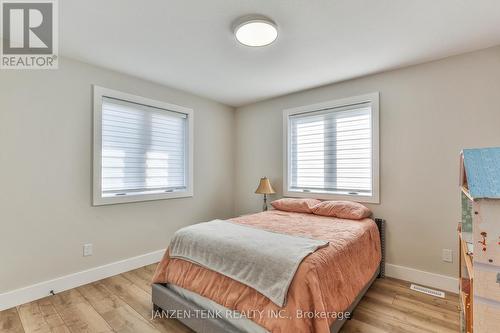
x,y
479,239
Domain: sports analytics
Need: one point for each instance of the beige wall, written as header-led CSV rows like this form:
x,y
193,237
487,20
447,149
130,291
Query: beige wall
x,y
45,175
428,113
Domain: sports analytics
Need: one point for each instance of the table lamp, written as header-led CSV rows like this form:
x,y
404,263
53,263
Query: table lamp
x,y
264,188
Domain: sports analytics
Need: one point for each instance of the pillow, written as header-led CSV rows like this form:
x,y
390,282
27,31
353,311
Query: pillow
x,y
342,209
295,205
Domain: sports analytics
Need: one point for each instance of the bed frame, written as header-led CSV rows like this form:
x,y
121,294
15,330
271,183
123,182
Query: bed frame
x,y
168,300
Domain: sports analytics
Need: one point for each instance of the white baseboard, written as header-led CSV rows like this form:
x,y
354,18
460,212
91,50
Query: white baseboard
x,y
438,281
42,289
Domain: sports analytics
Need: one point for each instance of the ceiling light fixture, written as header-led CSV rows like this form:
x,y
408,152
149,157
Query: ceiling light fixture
x,y
255,30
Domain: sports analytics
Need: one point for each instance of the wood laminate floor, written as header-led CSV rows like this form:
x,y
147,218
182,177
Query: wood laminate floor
x,y
122,303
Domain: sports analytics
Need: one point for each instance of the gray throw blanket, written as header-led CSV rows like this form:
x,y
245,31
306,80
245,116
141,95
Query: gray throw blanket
x,y
264,260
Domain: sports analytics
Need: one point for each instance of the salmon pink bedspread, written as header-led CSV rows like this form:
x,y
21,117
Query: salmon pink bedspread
x,y
327,281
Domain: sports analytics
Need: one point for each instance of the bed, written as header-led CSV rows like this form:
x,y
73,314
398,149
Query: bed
x,y
328,283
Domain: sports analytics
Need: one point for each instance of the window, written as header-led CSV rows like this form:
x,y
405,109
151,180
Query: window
x,y
143,149
331,150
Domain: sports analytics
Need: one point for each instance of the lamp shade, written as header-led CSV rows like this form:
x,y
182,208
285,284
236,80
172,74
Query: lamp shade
x,y
264,187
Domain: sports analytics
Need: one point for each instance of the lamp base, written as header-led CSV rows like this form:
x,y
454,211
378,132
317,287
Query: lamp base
x,y
264,207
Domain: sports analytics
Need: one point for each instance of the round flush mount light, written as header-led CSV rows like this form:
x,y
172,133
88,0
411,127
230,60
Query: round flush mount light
x,y
255,30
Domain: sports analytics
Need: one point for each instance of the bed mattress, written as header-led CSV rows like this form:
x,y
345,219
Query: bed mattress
x,y
326,283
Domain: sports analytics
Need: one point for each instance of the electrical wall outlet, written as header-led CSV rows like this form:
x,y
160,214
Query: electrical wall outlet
x,y
447,255
87,250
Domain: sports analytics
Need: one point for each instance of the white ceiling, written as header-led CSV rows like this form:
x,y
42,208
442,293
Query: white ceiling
x,y
189,45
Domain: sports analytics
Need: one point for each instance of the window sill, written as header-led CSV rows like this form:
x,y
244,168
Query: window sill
x,y
101,201
333,196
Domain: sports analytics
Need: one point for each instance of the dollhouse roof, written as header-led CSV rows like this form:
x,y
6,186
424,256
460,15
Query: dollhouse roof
x,y
481,172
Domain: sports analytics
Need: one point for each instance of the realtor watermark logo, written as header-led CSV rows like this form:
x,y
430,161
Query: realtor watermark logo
x,y
29,34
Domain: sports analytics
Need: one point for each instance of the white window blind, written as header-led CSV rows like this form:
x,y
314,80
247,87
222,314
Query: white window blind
x,y
330,151
144,149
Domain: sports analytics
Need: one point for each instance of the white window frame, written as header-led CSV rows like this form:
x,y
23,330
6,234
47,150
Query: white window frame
x,y
373,99
98,199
